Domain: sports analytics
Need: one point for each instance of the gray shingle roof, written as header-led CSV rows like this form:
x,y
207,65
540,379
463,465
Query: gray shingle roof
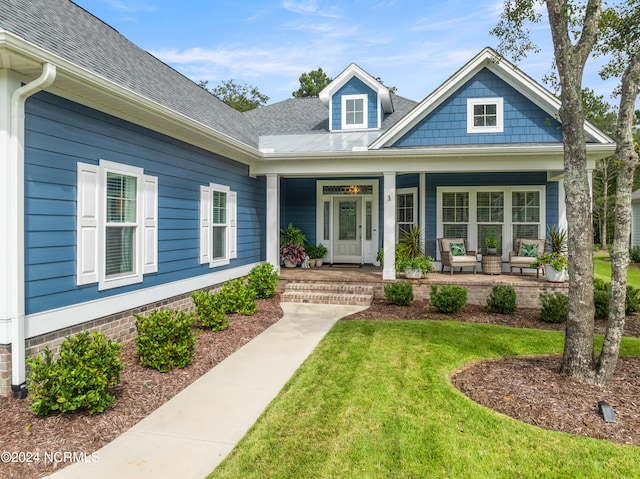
x,y
68,31
309,115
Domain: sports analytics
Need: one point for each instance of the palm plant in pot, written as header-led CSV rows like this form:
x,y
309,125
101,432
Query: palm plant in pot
x,y
555,261
410,257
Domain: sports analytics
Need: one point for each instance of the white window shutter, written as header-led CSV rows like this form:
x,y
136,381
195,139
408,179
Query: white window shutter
x,y
87,224
233,229
205,224
150,219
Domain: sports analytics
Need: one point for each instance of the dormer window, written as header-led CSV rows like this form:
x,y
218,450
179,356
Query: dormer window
x,y
485,115
354,112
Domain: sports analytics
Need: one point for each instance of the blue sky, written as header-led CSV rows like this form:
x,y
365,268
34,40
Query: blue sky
x,y
414,45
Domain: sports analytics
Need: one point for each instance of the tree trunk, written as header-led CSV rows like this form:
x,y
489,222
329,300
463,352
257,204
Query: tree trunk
x,y
627,161
578,357
605,213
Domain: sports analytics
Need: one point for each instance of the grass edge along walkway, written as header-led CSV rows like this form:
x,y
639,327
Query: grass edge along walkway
x,y
374,400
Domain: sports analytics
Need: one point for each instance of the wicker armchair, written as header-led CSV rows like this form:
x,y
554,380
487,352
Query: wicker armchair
x,y
462,257
521,257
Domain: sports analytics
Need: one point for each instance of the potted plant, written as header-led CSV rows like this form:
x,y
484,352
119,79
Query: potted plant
x,y
555,261
411,242
292,254
415,268
318,253
292,235
491,241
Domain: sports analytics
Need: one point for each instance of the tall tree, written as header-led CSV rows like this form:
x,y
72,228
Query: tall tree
x,y
620,29
620,40
600,113
242,97
570,58
312,83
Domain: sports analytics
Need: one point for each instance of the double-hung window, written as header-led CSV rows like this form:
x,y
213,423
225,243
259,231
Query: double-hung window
x,y
354,111
485,115
117,224
406,210
455,214
218,206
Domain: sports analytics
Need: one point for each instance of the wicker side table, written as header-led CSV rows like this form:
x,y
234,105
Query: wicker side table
x,y
491,264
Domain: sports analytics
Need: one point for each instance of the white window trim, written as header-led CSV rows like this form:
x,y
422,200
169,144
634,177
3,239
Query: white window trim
x,y
407,191
91,225
499,102
365,112
472,232
206,225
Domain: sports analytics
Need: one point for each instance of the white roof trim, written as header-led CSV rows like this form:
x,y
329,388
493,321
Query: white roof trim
x,y
348,73
505,70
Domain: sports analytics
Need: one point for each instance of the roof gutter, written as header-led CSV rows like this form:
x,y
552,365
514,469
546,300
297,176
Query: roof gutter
x,y
15,230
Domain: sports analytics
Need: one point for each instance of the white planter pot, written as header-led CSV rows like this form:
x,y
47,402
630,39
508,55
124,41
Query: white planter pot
x,y
289,264
413,273
555,276
319,261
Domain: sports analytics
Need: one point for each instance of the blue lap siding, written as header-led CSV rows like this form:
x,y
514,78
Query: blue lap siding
x,y
60,134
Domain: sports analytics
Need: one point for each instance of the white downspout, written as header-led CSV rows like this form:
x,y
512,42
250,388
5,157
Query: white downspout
x,y
16,227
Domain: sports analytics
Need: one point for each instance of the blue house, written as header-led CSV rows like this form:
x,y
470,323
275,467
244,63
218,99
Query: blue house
x,y
126,186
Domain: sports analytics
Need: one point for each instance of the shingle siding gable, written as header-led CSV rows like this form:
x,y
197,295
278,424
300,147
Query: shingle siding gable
x,y
524,122
354,86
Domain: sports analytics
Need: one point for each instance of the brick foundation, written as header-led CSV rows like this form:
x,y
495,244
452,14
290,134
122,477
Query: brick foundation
x,y
527,292
119,327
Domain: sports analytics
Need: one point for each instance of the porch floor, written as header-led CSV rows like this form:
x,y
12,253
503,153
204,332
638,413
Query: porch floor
x,y
479,285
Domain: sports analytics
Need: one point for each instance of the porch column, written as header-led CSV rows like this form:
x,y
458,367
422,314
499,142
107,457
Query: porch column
x,y
422,201
562,207
273,220
389,223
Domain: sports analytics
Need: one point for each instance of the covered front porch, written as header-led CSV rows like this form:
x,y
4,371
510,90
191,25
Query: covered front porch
x,y
527,286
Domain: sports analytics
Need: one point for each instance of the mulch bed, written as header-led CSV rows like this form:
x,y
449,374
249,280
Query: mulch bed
x,y
528,389
141,391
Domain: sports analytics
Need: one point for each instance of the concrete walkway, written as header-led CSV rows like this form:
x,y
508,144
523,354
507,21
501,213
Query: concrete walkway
x,y
191,434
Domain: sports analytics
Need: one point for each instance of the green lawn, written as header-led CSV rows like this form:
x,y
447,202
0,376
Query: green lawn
x,y
374,401
602,269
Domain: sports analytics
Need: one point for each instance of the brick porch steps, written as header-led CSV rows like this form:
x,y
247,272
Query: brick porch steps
x,y
328,293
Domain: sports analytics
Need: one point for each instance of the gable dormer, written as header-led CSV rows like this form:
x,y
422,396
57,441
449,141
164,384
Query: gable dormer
x,y
356,101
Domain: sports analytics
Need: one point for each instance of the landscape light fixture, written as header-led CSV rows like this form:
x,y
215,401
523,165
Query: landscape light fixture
x,y
606,411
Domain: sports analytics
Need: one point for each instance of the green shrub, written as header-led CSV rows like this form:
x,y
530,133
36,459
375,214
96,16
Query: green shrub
x,y
449,298
165,339
601,292
399,293
236,297
263,280
634,254
601,298
554,308
502,300
210,310
88,366
632,304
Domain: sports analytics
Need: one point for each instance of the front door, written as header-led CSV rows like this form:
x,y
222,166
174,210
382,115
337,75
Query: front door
x,y
347,230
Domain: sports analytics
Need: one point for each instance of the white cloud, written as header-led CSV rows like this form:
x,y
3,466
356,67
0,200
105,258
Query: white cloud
x,y
131,6
308,8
